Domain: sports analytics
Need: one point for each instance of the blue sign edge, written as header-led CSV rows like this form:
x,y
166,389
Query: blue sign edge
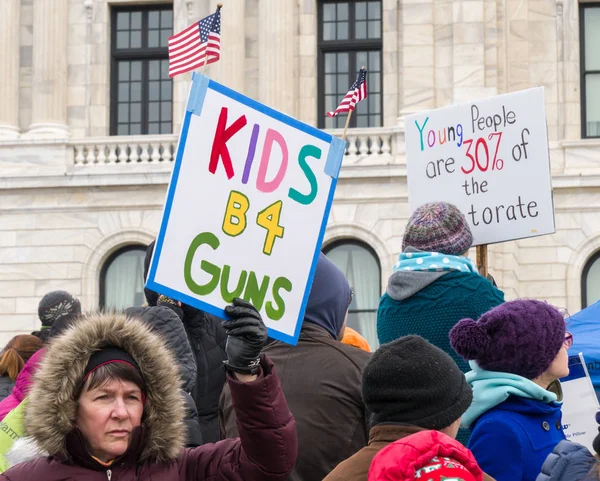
x,y
200,85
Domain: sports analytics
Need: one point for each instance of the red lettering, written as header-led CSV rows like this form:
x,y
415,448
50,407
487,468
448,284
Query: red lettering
x,y
219,147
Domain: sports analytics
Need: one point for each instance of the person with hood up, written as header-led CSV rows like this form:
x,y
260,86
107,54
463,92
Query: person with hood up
x,y
165,320
55,306
434,285
13,360
207,339
409,386
427,455
516,351
320,377
106,405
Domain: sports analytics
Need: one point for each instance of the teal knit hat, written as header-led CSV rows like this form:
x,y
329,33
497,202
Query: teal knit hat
x,y
438,227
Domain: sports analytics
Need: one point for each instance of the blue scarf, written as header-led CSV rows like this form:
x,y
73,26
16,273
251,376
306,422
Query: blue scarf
x,y
433,262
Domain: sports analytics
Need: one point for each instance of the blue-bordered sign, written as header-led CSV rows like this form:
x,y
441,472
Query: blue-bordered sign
x,y
246,208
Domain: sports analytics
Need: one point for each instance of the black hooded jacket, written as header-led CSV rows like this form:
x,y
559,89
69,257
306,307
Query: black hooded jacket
x,y
207,339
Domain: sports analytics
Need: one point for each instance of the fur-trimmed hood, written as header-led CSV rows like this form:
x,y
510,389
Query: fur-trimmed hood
x,y
52,408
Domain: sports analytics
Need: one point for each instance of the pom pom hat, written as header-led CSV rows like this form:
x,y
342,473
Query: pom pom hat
x,y
521,337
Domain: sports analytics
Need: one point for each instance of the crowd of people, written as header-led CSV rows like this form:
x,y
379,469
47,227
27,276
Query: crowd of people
x,y
464,386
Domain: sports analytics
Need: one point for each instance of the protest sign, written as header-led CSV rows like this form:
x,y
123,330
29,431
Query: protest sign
x,y
490,158
580,404
246,208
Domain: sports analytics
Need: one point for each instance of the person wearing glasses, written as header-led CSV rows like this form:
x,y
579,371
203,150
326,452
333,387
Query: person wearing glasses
x,y
516,351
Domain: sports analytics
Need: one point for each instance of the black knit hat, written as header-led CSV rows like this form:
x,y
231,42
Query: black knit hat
x,y
56,305
411,381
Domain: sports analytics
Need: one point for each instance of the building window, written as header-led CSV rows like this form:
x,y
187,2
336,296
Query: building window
x,y
141,100
590,69
349,38
361,266
122,279
590,281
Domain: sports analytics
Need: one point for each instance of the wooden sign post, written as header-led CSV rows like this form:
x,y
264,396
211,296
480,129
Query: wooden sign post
x,y
482,260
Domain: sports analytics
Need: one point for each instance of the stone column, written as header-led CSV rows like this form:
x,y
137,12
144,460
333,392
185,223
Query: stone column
x,y
50,33
231,69
278,54
9,68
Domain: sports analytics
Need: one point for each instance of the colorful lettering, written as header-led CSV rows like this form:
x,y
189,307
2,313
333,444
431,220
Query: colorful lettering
x,y
219,147
251,152
254,293
421,132
204,289
237,206
276,313
269,219
261,182
306,199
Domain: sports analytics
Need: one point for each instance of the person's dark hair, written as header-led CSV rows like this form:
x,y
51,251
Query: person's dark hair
x,y
108,372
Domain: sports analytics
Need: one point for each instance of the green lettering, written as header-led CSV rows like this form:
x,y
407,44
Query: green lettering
x,y
225,294
202,290
277,313
254,294
306,199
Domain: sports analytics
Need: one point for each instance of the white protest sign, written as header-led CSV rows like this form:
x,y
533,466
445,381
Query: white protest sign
x,y
246,208
580,404
490,158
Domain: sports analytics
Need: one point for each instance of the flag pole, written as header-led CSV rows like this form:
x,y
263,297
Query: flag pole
x,y
347,122
349,116
205,63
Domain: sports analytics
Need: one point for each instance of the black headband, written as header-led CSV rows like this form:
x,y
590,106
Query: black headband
x,y
108,355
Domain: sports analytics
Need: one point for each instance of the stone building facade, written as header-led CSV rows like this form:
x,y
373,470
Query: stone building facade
x,y
73,195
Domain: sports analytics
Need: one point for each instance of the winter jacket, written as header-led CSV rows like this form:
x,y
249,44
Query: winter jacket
x,y
22,384
428,455
166,322
6,386
524,431
356,468
568,462
429,304
266,450
207,339
321,379
11,430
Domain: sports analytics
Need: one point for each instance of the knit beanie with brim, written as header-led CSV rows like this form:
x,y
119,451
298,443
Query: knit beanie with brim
x,y
411,381
520,337
438,227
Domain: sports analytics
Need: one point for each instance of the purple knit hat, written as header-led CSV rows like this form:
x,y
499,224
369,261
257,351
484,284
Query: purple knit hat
x,y
438,227
521,337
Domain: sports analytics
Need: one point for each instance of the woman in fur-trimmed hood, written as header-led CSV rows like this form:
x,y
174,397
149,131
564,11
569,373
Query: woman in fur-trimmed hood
x,y
106,404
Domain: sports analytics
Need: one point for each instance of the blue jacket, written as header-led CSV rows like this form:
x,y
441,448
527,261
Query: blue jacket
x,y
568,462
512,440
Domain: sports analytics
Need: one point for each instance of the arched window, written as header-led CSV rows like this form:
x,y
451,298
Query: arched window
x,y
122,279
362,269
590,281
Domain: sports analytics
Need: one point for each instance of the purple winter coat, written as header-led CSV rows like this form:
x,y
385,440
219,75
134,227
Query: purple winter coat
x,y
265,451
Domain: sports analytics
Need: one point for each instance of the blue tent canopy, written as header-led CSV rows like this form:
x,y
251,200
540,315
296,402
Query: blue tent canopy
x,y
585,327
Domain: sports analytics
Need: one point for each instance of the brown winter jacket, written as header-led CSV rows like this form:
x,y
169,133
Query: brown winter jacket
x,y
321,379
357,467
266,449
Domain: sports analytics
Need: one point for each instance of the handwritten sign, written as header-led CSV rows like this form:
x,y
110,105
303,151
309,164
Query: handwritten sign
x,y
246,208
580,404
489,158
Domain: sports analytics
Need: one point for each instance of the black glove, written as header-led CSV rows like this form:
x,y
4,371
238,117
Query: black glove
x,y
246,336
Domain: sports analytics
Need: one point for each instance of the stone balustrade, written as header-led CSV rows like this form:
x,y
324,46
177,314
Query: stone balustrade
x,y
138,149
365,146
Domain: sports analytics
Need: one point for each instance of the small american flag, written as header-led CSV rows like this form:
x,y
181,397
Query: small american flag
x,y
357,92
197,45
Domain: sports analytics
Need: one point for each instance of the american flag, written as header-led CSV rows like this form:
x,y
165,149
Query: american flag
x,y
197,45
357,92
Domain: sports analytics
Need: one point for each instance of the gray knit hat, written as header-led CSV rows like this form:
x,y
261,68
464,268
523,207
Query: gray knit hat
x,y
438,227
411,381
